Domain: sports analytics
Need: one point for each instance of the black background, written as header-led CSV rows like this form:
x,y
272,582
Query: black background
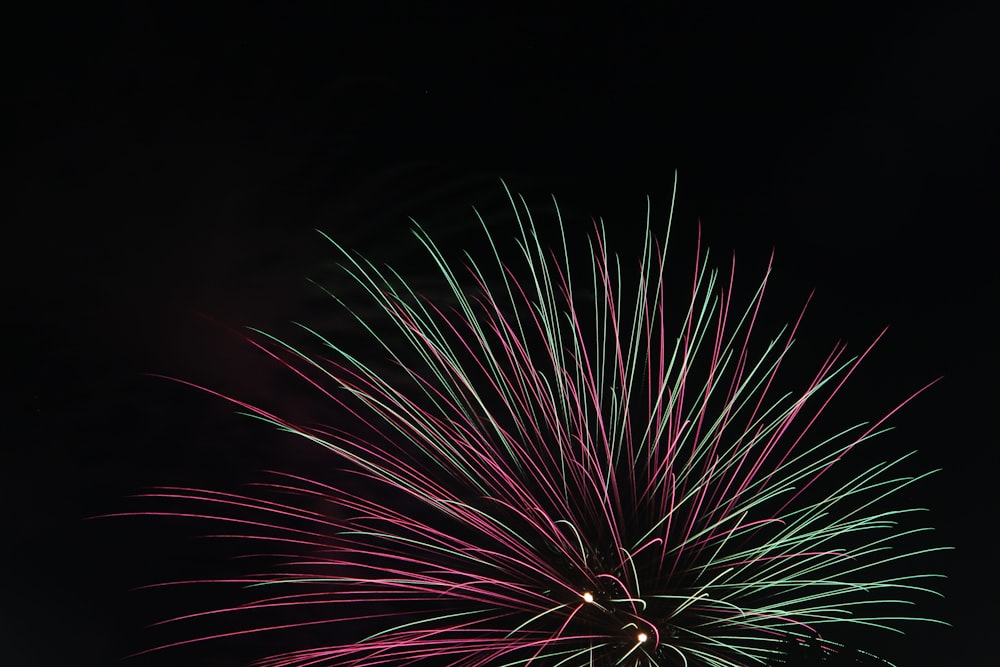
x,y
168,164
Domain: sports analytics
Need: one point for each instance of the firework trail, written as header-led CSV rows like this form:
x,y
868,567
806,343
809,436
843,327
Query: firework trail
x,y
564,480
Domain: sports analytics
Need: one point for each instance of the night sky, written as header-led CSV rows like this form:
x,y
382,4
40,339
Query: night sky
x,y
168,167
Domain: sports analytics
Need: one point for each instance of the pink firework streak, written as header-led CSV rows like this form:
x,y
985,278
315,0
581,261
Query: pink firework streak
x,y
558,480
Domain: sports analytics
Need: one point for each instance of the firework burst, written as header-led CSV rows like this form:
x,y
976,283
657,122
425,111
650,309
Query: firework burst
x,y
556,474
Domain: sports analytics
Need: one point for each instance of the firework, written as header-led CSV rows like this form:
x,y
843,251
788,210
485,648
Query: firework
x,y
564,465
